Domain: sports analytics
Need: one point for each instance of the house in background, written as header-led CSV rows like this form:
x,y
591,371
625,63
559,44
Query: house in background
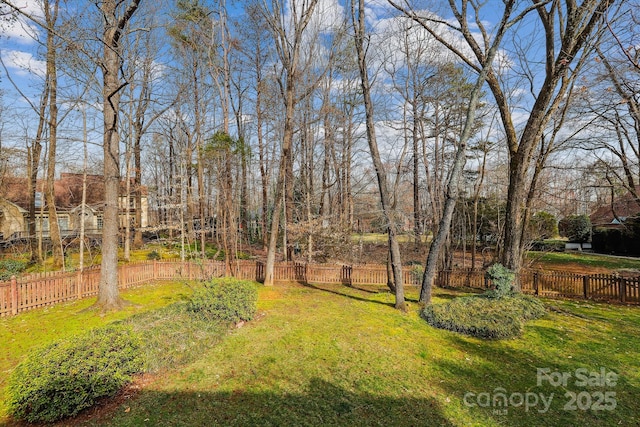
x,y
616,227
614,215
14,206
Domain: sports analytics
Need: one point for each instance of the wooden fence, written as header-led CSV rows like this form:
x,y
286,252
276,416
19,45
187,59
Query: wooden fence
x,y
603,287
39,290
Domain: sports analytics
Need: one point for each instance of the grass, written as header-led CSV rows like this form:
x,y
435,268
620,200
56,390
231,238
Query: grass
x,y
332,355
588,260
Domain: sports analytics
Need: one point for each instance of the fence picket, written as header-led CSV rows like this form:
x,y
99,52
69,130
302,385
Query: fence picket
x,y
42,289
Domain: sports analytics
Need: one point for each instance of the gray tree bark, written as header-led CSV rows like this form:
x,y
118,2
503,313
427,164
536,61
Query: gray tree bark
x,y
114,26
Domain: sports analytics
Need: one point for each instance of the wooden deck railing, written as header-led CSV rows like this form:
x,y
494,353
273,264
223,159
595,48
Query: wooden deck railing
x,y
39,290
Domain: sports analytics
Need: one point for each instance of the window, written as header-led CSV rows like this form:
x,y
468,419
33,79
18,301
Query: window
x,y
38,199
63,223
99,223
44,224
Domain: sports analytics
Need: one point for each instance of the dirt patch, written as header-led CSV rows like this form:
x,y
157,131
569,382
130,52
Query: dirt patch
x,y
106,407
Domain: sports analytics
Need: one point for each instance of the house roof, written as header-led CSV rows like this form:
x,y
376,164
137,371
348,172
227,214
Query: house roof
x,y
615,214
67,190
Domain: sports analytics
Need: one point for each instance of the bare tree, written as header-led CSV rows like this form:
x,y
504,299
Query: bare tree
x,y
565,29
287,28
256,52
48,119
613,103
116,16
484,56
51,16
358,20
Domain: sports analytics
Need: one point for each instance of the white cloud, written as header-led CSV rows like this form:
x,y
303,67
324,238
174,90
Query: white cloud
x,y
23,63
22,30
328,15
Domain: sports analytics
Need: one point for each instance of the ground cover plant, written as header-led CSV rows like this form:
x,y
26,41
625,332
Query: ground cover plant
x,y
227,299
498,313
484,317
334,355
25,333
67,376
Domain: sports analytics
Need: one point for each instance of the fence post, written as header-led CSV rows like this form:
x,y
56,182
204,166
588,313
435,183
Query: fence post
x,y
585,286
155,269
79,284
14,295
536,290
623,289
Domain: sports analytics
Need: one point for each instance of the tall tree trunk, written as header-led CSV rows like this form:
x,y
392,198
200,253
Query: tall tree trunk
x,y
416,175
51,16
476,199
389,214
33,164
108,293
460,157
289,42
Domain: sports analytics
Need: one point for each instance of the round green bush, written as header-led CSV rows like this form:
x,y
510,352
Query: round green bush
x,y
227,299
484,317
68,376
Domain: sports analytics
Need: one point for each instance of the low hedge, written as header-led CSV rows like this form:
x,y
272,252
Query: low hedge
x,y
68,376
483,317
226,299
63,378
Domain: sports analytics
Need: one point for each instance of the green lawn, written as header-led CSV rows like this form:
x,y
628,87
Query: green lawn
x,y
332,355
585,259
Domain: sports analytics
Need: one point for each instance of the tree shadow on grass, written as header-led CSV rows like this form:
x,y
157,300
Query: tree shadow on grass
x,y
344,292
495,369
321,404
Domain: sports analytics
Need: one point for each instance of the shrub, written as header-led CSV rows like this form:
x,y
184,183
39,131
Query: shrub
x,y
68,376
483,317
543,225
11,267
227,300
501,281
548,245
577,228
529,307
153,255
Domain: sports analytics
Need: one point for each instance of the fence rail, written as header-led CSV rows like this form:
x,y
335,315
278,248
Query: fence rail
x,y
39,290
602,287
44,289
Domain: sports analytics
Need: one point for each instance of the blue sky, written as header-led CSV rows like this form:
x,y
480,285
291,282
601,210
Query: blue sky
x,y
18,50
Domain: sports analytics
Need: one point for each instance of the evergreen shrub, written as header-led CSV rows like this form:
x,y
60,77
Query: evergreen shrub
x,y
68,376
